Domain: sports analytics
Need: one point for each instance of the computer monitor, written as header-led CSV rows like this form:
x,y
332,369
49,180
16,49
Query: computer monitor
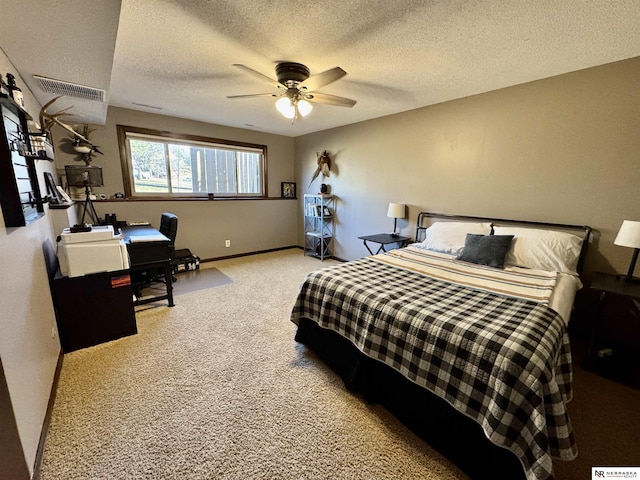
x,y
77,175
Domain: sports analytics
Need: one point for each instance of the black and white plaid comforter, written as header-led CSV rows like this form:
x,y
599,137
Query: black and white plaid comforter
x,y
504,362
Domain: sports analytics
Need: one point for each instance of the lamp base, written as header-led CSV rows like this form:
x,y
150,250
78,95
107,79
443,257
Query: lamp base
x,y
628,279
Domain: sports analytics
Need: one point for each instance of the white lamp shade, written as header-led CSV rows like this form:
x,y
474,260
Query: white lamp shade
x,y
396,210
304,108
629,234
285,107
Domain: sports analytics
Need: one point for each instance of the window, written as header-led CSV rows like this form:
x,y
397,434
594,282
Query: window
x,y
162,164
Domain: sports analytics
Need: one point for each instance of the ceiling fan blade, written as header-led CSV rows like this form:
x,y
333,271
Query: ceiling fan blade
x,y
257,74
314,82
330,99
256,95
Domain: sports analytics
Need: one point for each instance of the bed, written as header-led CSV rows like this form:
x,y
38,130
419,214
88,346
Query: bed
x,y
463,335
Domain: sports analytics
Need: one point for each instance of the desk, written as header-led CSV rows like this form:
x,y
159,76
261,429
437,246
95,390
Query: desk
x,y
149,249
384,239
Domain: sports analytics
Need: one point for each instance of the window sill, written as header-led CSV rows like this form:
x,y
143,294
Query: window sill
x,y
186,199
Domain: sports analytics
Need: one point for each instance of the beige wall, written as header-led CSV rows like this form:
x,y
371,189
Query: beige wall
x,y
564,149
29,346
203,226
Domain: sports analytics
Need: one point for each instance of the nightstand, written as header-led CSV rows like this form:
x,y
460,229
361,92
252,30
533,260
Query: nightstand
x,y
384,239
617,321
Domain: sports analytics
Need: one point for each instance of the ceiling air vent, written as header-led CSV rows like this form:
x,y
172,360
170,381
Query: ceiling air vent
x,y
70,89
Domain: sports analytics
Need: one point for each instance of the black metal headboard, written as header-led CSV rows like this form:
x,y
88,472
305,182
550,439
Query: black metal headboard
x,y
584,231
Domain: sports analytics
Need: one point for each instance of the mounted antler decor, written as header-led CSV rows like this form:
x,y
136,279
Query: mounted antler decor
x,y
81,143
324,165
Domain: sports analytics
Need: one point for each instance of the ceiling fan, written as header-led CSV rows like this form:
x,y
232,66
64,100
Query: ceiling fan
x,y
296,88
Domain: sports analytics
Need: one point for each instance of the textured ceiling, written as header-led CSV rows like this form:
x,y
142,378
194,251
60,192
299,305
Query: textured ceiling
x,y
176,58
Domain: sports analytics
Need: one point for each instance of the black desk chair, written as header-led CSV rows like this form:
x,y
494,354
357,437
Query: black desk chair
x,y
169,228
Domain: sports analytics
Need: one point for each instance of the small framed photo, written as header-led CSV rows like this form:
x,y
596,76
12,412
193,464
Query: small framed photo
x,y
322,211
288,190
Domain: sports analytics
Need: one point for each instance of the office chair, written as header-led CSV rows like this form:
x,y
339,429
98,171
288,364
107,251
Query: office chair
x,y
169,228
143,279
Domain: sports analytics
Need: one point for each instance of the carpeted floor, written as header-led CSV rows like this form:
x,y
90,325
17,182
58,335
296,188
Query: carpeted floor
x,y
216,388
190,281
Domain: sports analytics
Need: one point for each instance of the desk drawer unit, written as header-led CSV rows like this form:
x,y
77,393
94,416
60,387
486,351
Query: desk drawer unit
x,y
148,252
94,309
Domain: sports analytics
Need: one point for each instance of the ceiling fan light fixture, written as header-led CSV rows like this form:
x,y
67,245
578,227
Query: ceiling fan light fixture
x,y
304,108
286,107
296,87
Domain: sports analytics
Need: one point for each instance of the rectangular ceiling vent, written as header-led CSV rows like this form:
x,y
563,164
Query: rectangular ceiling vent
x,y
70,89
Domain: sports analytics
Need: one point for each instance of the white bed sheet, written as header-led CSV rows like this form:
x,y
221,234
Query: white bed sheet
x,y
563,294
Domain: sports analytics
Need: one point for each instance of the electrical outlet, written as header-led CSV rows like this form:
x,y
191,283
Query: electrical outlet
x,y
53,332
227,243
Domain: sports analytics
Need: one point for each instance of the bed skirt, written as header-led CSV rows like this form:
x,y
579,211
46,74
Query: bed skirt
x,y
453,434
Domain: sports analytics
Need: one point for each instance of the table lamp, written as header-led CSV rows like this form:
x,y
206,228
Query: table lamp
x,y
396,211
629,236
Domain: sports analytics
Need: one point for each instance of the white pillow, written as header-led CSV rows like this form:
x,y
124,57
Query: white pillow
x,y
542,249
449,237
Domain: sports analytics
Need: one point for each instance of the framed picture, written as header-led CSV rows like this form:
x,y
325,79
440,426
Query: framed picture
x,y
322,211
288,190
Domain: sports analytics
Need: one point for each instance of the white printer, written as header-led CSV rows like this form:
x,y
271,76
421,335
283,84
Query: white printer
x,y
98,250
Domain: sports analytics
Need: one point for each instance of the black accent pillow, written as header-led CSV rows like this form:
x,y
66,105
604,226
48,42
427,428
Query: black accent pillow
x,y
486,249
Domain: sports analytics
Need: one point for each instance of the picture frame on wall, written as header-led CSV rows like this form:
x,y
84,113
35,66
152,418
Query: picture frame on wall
x,y
288,190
